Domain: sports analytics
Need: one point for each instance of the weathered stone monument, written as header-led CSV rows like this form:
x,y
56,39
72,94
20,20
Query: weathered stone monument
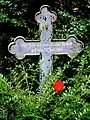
x,y
22,47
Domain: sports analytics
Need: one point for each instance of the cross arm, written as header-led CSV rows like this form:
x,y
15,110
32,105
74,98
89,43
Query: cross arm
x,y
72,47
22,47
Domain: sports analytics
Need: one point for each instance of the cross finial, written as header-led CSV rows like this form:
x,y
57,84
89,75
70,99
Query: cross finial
x,y
45,11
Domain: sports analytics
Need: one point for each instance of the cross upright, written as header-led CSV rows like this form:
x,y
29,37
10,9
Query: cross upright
x,y
45,47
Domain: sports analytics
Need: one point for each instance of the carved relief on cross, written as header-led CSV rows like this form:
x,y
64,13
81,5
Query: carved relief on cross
x,y
22,47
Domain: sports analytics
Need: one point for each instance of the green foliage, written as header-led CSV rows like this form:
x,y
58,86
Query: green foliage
x,y
71,103
68,24
12,12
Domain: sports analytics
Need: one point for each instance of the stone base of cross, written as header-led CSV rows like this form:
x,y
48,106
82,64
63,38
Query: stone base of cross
x,y
22,47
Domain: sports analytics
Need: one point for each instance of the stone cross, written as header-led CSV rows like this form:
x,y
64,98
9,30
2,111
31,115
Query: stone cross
x,y
22,47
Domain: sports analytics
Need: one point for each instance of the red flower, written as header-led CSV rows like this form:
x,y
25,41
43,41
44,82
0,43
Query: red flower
x,y
58,86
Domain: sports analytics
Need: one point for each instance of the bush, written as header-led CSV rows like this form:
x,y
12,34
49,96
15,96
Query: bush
x,y
72,103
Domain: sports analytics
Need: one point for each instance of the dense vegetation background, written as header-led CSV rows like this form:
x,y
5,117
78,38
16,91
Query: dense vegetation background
x,y
20,98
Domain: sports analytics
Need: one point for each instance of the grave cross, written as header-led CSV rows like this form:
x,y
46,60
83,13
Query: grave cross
x,y
22,47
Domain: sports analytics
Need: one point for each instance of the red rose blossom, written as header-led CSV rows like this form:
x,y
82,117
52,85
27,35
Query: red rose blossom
x,y
58,86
